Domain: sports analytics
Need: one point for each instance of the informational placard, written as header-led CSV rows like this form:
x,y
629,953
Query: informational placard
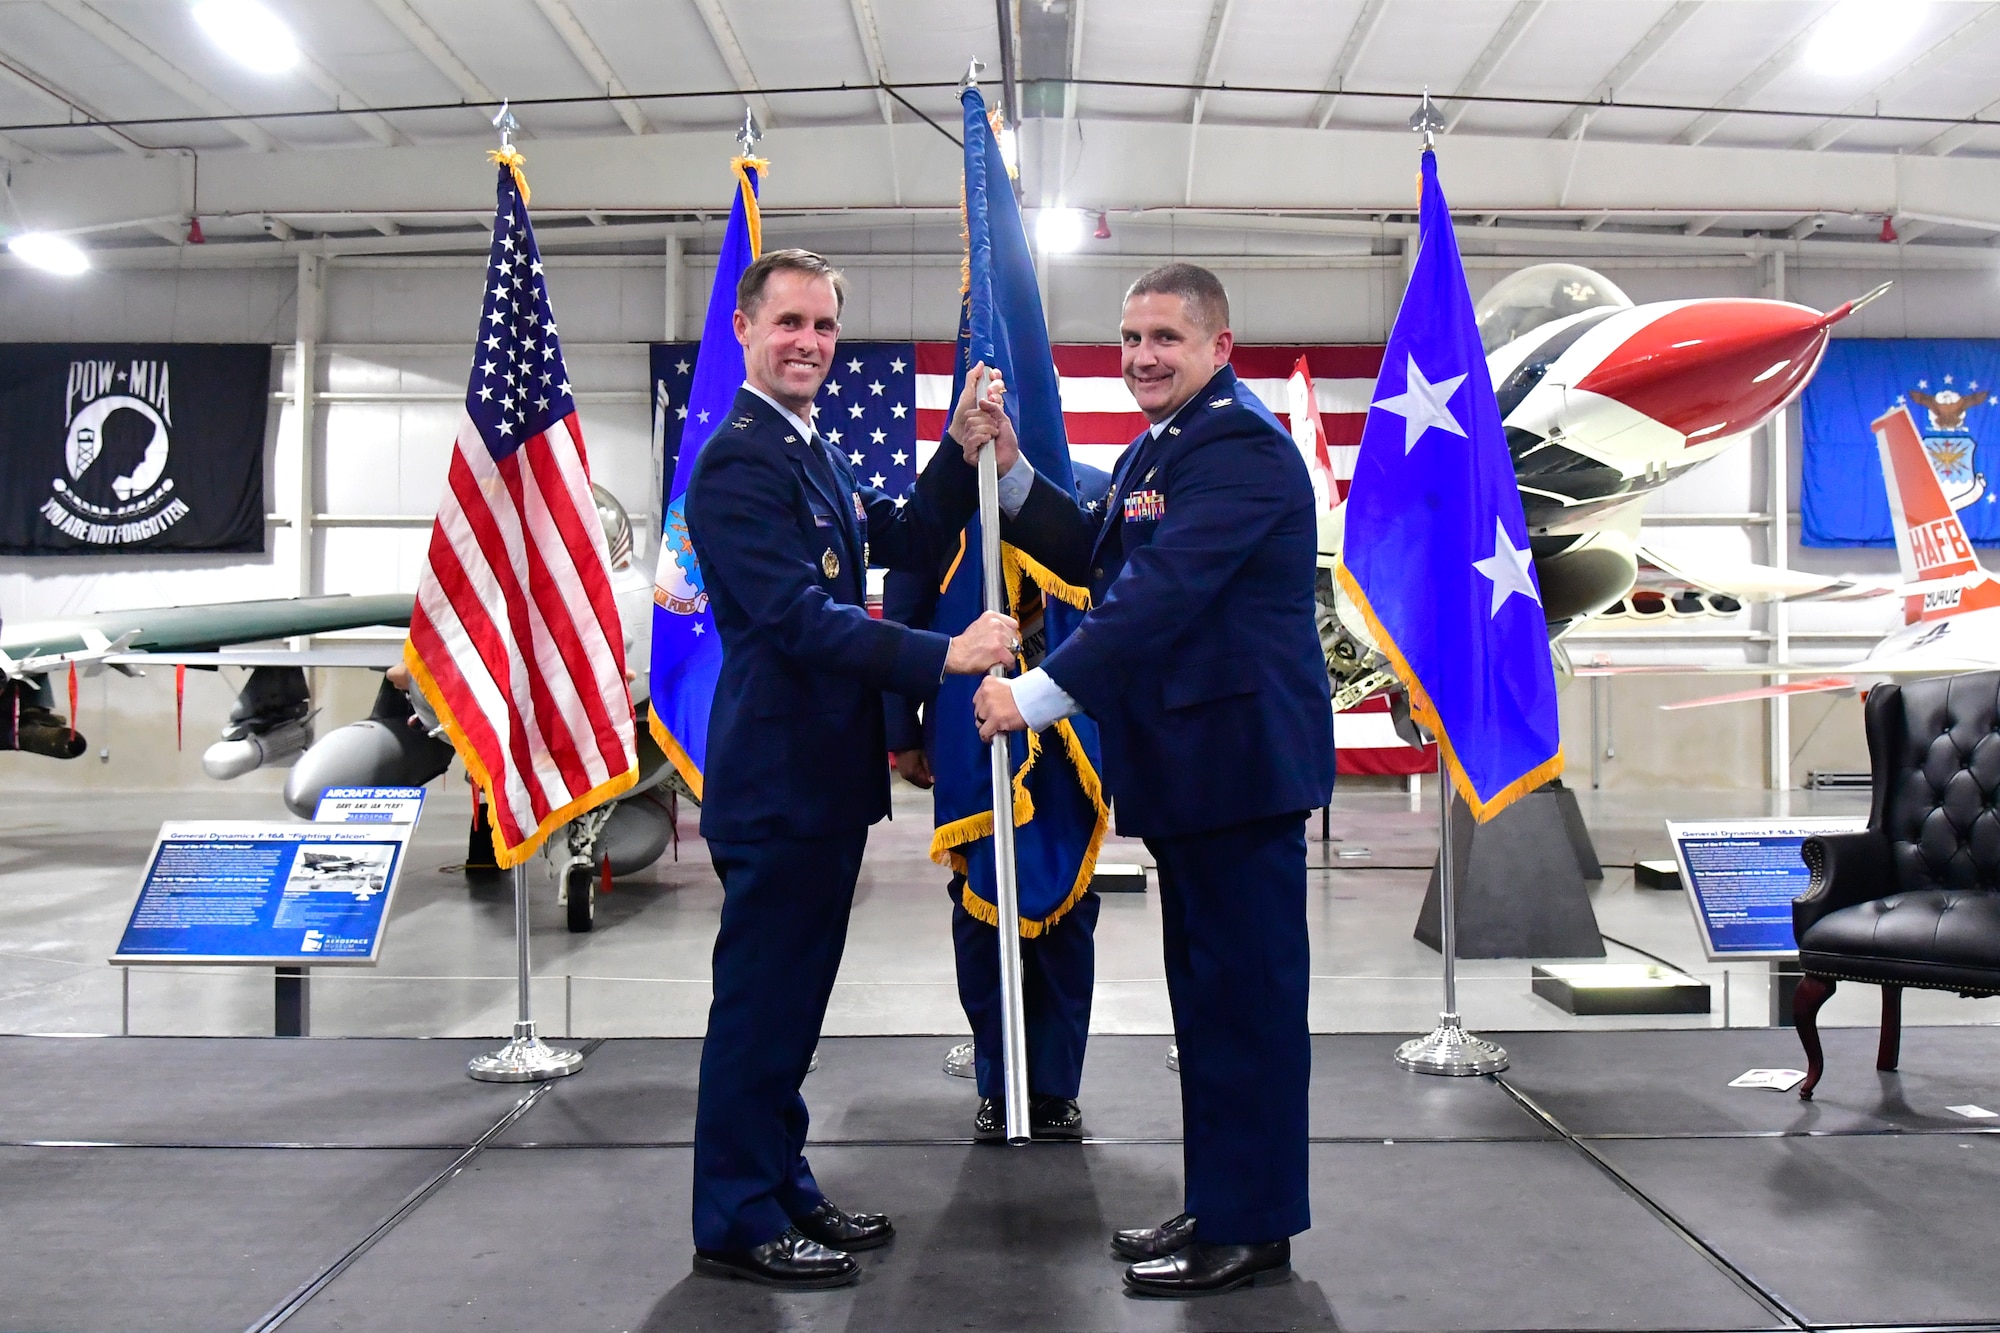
x,y
369,805
1741,876
286,894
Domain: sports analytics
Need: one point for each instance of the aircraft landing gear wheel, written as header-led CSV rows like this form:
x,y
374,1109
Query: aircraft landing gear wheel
x,y
580,889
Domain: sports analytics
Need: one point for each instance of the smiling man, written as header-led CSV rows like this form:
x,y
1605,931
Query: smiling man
x,y
1202,667
797,759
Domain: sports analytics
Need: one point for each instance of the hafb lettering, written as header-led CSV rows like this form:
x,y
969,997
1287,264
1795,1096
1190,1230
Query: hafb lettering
x,y
1940,542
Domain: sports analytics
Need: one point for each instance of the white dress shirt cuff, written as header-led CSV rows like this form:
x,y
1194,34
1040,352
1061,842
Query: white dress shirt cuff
x,y
1040,700
1014,487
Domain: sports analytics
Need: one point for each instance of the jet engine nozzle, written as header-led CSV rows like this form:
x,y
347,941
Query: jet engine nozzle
x,y
276,748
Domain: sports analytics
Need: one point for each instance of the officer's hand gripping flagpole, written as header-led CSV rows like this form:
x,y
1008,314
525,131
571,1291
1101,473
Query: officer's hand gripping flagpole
x,y
1447,1048
1013,1020
526,1058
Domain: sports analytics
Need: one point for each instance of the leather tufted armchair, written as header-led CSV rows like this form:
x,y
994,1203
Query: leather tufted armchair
x,y
1914,899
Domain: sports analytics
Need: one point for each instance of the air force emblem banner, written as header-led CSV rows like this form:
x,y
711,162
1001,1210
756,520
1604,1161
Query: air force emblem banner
x,y
1436,557
115,447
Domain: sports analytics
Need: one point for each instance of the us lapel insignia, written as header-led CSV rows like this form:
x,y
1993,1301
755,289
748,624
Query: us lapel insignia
x,y
1220,402
830,563
791,439
1173,430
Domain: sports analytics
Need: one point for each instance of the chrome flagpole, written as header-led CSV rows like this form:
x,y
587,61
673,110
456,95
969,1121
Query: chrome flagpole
x,y
526,1058
1448,1048
1013,1023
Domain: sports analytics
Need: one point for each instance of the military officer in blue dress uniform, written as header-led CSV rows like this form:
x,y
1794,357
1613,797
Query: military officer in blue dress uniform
x,y
1059,966
797,760
1202,667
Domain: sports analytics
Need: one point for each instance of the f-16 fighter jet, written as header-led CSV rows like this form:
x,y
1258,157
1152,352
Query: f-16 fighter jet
x,y
1604,402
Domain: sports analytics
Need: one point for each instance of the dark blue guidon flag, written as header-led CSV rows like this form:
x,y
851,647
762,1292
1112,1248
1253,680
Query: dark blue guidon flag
x,y
687,652
1436,555
1842,500
1059,811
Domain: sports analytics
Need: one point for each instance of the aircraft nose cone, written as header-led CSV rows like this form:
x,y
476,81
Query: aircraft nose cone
x,y
1712,369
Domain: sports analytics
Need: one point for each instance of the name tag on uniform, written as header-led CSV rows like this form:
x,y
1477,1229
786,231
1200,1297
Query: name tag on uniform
x,y
1145,507
822,520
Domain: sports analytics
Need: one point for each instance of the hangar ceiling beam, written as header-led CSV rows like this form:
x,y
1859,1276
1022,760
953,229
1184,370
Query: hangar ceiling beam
x,y
1631,63
1211,55
1756,81
1240,170
1343,64
589,55
723,34
1982,23
54,98
436,50
1958,136
375,126
1511,28
161,70
871,48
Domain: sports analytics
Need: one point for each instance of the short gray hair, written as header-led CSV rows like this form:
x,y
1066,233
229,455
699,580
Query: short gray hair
x,y
1200,291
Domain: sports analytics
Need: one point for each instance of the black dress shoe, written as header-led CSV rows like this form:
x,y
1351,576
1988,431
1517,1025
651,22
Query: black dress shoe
x,y
989,1123
790,1261
1055,1118
839,1230
1157,1242
1201,1269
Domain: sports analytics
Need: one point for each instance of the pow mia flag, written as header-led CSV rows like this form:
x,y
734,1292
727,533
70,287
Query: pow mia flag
x,y
112,447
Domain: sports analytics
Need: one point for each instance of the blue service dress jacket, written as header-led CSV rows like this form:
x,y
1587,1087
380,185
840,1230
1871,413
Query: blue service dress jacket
x,y
1200,660
784,535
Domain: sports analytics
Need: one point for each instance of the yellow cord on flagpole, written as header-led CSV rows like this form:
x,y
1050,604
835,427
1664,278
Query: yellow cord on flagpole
x,y
752,216
508,156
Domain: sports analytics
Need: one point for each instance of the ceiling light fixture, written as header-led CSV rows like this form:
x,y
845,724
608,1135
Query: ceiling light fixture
x,y
1857,35
250,33
1059,230
51,254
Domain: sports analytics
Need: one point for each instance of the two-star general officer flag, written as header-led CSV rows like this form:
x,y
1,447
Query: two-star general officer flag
x,y
515,637
1436,552
1059,809
687,652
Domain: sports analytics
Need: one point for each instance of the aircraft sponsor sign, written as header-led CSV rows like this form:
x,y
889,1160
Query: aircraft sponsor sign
x,y
1741,877
281,894
369,805
112,447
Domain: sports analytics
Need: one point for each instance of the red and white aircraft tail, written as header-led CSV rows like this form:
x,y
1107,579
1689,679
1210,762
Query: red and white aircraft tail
x,y
1936,556
1951,605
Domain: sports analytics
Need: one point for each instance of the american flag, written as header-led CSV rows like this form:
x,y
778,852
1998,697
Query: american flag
x,y
889,402
515,637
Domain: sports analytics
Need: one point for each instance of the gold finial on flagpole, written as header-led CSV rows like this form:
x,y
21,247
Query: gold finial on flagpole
x,y
1427,121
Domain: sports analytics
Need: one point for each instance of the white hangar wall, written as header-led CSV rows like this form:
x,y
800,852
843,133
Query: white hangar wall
x,y
390,342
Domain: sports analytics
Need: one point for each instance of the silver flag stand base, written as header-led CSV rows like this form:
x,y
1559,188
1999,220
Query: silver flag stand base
x,y
525,1059
1450,1050
958,1061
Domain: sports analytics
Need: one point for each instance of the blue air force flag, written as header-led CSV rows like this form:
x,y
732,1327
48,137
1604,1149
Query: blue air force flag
x,y
1059,811
1436,553
687,652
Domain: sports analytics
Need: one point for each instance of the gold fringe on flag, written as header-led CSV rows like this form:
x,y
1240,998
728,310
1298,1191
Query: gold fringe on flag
x,y
510,158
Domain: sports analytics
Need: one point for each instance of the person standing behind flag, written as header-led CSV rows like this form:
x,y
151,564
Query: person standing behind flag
x,y
797,765
1201,664
1059,966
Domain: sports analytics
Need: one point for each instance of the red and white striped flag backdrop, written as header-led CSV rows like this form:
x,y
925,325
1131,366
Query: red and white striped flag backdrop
x,y
1101,419
515,638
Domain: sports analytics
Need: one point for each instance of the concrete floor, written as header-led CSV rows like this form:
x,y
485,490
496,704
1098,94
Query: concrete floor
x,y
69,868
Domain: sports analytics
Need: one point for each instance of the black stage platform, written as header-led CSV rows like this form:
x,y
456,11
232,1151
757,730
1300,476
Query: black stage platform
x,y
1609,1181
